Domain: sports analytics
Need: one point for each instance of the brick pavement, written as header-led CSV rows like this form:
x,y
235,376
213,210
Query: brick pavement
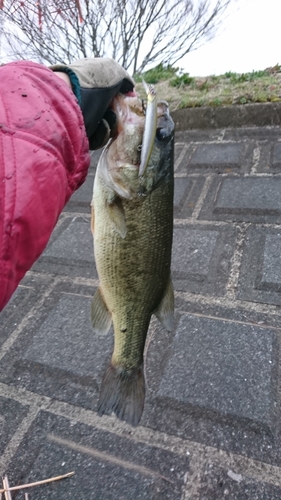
x,y
211,424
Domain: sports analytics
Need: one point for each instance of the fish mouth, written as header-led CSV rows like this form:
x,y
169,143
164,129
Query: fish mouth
x,y
126,141
128,110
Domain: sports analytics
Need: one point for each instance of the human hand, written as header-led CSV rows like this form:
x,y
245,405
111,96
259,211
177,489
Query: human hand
x,y
100,80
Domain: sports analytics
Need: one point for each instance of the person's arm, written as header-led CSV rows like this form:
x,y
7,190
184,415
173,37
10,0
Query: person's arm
x,y
44,149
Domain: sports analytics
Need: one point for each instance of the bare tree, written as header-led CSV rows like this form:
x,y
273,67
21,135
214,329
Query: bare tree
x,y
136,33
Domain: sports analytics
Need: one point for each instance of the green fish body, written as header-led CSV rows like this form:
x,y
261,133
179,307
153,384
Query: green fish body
x,y
132,223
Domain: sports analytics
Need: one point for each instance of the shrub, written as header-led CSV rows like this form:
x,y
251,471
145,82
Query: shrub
x,y
180,81
154,75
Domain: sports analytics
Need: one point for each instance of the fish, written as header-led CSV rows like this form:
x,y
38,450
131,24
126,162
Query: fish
x,y
132,226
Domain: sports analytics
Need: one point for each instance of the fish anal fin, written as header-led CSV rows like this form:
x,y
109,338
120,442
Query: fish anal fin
x,y
165,310
116,214
122,392
100,316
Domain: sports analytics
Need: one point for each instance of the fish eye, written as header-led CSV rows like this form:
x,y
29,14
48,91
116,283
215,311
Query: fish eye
x,y
163,134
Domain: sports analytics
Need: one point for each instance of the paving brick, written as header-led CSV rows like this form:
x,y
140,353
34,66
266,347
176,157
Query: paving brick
x,y
220,309
74,243
271,270
196,385
220,156
217,484
265,155
217,153
95,156
261,162
201,258
276,156
199,135
24,298
66,340
13,313
70,250
252,133
182,187
249,195
222,365
260,276
11,415
187,191
80,201
194,251
178,149
249,199
107,467
58,354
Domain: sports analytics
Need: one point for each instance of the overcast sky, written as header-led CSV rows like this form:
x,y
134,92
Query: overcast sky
x,y
249,39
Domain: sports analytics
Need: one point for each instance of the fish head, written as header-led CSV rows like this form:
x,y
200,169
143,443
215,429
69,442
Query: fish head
x,y
120,162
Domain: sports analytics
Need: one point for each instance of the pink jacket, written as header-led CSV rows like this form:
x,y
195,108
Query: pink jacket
x,y
44,158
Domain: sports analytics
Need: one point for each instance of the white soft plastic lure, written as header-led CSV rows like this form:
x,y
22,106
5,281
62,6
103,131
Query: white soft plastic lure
x,y
149,127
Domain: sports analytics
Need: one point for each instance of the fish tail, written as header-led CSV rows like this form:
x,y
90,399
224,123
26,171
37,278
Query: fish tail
x,y
122,392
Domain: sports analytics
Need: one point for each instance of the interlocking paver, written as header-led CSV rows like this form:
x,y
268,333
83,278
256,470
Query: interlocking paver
x,y
224,366
218,157
43,359
219,483
187,192
276,156
260,278
247,195
248,199
201,257
108,465
11,414
81,199
211,422
215,155
271,270
70,249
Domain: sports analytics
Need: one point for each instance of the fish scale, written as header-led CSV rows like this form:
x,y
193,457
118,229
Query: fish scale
x,y
151,257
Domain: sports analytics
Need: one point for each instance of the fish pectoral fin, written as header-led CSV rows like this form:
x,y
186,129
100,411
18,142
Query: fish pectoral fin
x,y
165,310
116,214
100,316
122,392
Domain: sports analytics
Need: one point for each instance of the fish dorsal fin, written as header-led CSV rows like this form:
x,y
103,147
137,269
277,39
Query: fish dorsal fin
x,y
100,316
165,310
116,214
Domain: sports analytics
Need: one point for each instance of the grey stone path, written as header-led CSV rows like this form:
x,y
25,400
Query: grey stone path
x,y
211,424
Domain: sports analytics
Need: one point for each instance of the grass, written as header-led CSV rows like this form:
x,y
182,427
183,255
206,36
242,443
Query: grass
x,y
183,91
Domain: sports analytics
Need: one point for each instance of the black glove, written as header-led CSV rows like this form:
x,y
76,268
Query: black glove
x,y
95,82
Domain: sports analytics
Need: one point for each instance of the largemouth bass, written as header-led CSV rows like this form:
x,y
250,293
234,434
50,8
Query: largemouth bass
x,y
132,224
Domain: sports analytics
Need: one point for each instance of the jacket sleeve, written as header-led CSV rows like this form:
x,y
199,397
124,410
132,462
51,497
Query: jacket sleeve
x,y
44,158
